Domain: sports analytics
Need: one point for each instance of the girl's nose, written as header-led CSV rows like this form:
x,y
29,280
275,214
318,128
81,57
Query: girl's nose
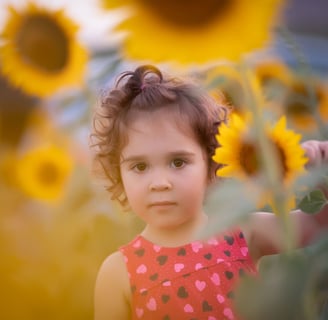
x,y
160,184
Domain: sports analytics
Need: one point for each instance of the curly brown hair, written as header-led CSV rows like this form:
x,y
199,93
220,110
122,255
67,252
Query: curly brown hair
x,y
146,90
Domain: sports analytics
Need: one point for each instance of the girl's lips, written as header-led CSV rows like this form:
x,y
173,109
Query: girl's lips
x,y
162,204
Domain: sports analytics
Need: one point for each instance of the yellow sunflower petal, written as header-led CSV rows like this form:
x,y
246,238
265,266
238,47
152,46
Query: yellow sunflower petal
x,y
170,30
40,52
273,71
225,172
288,143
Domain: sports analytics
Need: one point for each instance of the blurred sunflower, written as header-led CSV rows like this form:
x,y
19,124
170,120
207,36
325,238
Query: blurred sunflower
x,y
43,172
190,31
15,109
225,84
298,105
40,52
274,77
239,151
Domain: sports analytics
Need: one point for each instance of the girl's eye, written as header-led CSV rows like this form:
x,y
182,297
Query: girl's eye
x,y
139,167
178,163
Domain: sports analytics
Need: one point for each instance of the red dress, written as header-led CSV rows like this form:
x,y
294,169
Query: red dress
x,y
193,281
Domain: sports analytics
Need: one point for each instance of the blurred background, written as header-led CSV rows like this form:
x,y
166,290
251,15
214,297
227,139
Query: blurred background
x,y
57,223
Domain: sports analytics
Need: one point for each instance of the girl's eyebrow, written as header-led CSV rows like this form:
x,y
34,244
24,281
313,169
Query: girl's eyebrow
x,y
177,153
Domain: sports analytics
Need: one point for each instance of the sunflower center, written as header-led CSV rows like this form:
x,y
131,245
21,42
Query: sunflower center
x,y
188,13
251,163
48,174
298,108
249,159
43,43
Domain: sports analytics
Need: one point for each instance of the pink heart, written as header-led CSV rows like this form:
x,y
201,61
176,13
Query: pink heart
x,y
188,308
219,260
156,248
200,285
142,290
212,241
215,279
139,312
244,251
198,266
211,318
151,305
142,269
178,267
137,244
166,283
196,246
220,298
228,313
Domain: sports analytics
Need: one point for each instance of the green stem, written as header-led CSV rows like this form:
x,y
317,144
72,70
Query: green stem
x,y
270,163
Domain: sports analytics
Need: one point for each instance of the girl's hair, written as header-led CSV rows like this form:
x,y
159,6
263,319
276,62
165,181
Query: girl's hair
x,y
146,90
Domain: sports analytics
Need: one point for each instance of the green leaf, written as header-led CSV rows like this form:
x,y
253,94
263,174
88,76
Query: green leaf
x,y
227,203
279,291
313,202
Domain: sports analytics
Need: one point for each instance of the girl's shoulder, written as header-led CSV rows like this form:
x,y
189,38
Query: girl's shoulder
x,y
113,270
112,281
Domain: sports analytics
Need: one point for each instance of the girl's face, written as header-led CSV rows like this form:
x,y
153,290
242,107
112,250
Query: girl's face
x,y
164,171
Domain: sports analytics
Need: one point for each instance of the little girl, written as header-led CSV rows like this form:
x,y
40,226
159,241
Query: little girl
x,y
155,138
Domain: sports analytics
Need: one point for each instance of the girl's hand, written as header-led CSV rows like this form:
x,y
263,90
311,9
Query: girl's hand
x,y
316,151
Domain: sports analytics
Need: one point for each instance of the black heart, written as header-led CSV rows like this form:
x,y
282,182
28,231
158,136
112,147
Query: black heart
x,y
229,239
208,256
206,306
231,295
227,253
186,275
241,272
182,252
229,274
241,235
161,259
153,277
182,293
139,252
166,317
165,298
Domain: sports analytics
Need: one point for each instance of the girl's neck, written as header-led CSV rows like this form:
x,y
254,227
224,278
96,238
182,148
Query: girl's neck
x,y
175,237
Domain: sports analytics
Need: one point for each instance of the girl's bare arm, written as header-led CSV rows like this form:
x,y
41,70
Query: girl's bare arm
x,y
111,300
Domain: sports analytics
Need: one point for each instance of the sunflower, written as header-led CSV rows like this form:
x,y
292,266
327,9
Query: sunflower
x,y
40,53
274,77
43,172
297,104
195,31
240,154
225,84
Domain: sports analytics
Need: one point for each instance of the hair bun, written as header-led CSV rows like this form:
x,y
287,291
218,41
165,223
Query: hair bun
x,y
142,77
